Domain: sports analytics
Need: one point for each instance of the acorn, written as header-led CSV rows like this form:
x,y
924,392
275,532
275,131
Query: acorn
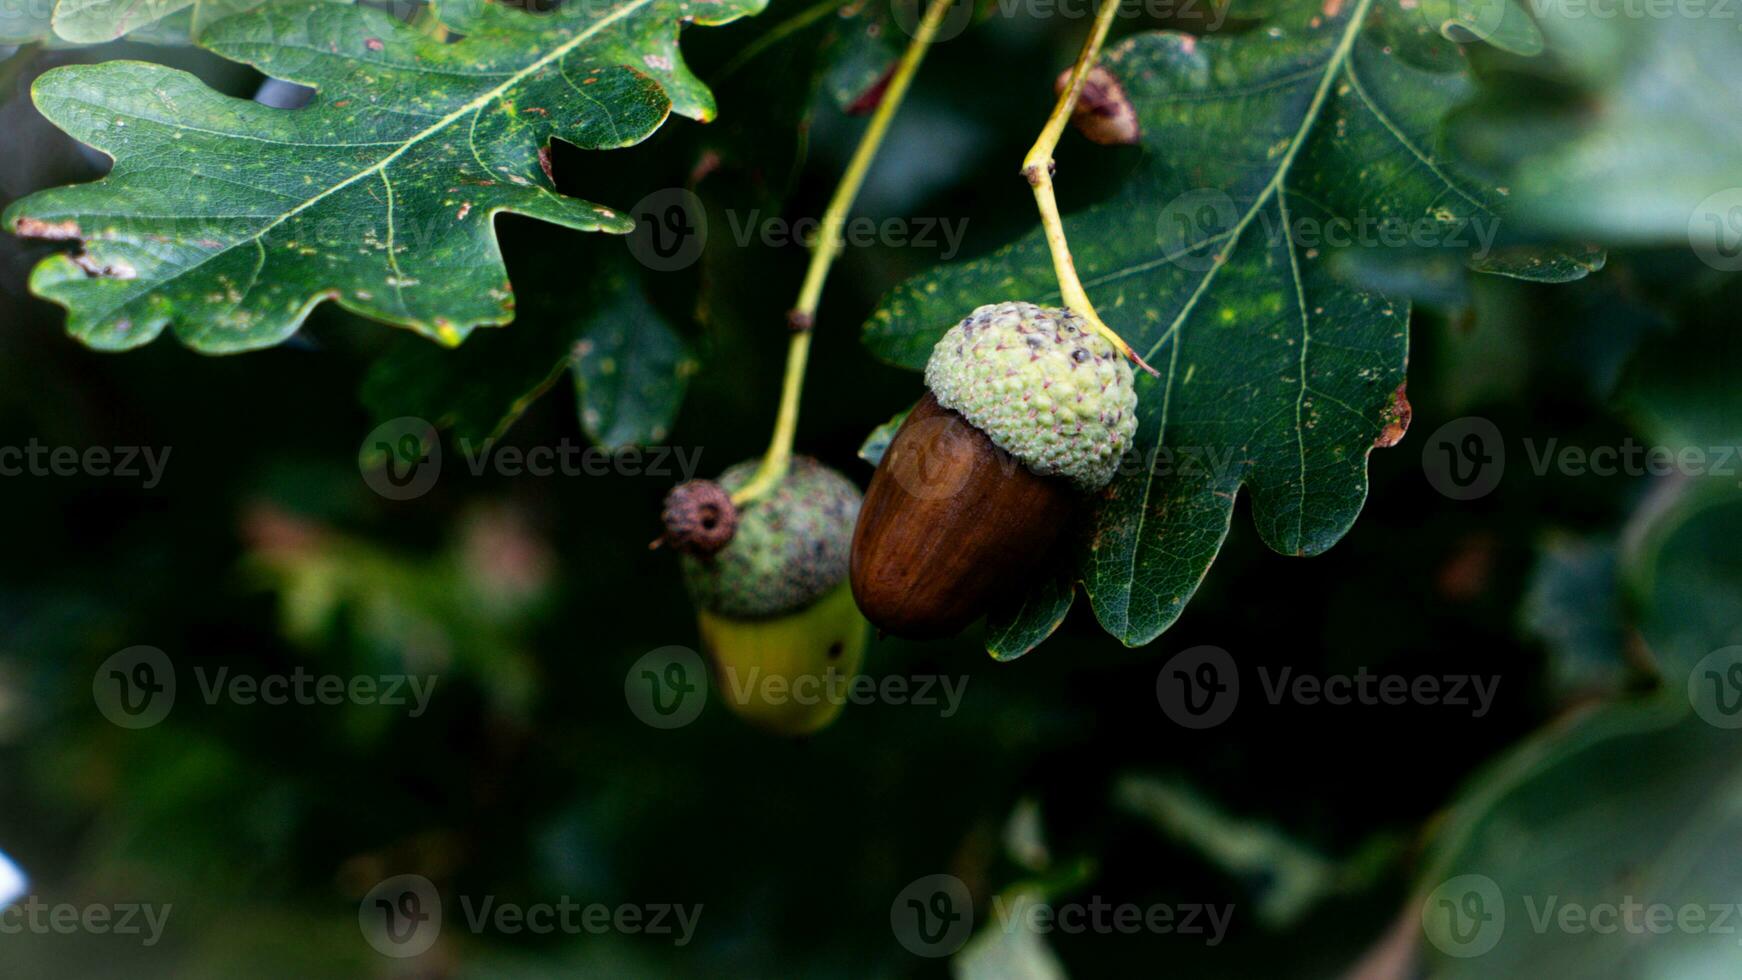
x,y
1027,411
769,583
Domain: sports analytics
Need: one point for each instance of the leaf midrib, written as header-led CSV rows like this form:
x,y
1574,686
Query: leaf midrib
x,y
1333,66
1309,119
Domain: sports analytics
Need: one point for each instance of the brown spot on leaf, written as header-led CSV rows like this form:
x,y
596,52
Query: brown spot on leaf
x,y
53,231
544,161
1396,418
1103,112
373,44
119,269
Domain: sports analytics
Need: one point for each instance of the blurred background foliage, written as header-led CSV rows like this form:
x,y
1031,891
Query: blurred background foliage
x,y
528,778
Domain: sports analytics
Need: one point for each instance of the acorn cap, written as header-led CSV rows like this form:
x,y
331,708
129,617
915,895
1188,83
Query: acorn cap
x,y
1043,386
790,547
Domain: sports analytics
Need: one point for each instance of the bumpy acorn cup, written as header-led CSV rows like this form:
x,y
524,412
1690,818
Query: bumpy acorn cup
x,y
1026,411
773,606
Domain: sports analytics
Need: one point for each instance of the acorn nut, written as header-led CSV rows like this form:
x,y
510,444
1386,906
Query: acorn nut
x,y
773,607
1028,410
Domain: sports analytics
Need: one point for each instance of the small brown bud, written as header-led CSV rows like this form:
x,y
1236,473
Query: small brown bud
x,y
699,518
1103,112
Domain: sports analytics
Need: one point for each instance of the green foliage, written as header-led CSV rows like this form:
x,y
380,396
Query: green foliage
x,y
231,220
1631,805
1634,801
1276,375
96,21
24,23
629,368
1618,141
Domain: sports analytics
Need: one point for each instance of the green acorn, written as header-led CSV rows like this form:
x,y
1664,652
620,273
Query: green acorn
x,y
1028,410
769,583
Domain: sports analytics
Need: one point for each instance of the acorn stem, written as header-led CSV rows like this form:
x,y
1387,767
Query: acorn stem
x,y
1038,167
825,249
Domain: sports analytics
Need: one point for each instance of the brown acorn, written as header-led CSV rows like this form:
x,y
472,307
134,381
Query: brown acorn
x,y
1027,410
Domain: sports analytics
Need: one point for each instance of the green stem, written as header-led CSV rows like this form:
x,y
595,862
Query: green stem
x,y
824,250
1038,167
